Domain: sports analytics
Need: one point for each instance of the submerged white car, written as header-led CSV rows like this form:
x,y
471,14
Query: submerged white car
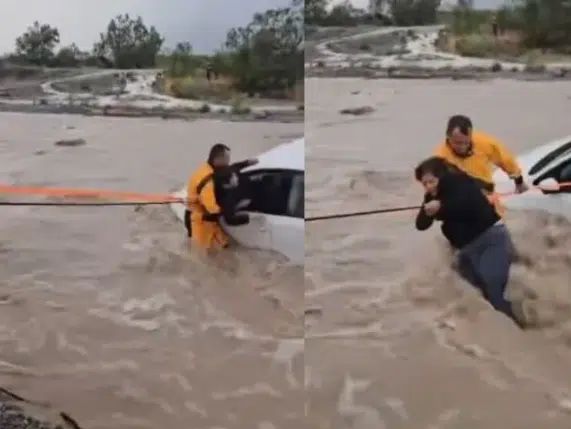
x,y
547,167
277,207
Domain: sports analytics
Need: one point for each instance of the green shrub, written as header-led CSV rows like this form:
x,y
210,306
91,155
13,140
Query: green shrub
x,y
238,105
200,89
477,45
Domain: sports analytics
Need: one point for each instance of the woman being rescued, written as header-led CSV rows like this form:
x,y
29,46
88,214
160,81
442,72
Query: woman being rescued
x,y
472,226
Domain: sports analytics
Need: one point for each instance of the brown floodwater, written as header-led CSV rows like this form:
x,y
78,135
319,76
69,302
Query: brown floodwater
x,y
109,315
400,342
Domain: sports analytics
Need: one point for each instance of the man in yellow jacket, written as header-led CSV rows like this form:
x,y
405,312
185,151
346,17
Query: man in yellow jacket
x,y
475,153
201,201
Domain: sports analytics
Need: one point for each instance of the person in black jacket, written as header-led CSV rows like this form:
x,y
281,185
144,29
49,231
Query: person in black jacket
x,y
472,226
232,192
230,189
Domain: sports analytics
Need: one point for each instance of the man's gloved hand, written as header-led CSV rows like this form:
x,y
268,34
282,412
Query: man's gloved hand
x,y
520,189
520,185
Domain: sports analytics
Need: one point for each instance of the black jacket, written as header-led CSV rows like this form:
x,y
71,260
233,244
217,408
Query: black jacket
x,y
465,211
227,198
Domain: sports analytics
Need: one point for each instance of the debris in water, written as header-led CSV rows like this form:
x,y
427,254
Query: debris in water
x,y
565,405
356,111
313,311
70,142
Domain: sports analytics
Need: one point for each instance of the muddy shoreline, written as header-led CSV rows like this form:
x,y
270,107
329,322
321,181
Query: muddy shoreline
x,y
283,116
411,53
103,93
418,72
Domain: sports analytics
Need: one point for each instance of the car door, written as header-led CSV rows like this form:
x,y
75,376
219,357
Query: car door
x,y
288,230
255,234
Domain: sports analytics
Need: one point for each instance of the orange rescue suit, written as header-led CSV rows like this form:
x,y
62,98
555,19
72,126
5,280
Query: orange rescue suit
x,y
205,211
487,152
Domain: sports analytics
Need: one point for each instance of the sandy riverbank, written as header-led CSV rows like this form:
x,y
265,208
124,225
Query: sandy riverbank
x,y
97,93
408,53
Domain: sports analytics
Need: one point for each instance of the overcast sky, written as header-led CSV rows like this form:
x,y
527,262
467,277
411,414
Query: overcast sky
x,y
203,23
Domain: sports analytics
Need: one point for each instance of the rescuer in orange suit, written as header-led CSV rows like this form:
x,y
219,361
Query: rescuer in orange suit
x,y
201,201
209,197
475,152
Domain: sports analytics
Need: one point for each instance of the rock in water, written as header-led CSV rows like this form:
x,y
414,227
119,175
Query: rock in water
x,y
364,110
70,142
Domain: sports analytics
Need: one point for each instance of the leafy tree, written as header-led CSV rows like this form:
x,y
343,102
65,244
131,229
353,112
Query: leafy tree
x,y
68,56
465,19
37,44
222,62
180,59
414,12
341,14
315,11
129,43
544,23
378,6
266,55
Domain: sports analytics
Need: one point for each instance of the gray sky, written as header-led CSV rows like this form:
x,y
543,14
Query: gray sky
x,y
203,23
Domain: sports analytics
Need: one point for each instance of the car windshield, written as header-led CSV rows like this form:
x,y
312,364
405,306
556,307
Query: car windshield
x,y
549,158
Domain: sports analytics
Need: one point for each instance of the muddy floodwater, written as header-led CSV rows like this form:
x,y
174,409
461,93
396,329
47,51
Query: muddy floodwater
x,y
107,314
400,342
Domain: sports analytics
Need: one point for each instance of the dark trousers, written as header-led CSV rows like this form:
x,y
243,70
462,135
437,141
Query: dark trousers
x,y
486,262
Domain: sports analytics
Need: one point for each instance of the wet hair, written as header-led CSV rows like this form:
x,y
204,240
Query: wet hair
x,y
216,151
434,165
462,122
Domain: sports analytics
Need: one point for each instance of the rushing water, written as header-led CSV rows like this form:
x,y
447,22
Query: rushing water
x,y
396,340
109,315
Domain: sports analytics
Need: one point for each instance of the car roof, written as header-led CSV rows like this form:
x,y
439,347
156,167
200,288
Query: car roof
x,y
288,156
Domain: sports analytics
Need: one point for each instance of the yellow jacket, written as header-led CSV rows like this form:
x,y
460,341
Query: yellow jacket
x,y
200,193
206,231
487,152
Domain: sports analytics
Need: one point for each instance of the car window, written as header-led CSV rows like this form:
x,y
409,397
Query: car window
x,y
550,157
269,191
297,197
561,173
565,174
